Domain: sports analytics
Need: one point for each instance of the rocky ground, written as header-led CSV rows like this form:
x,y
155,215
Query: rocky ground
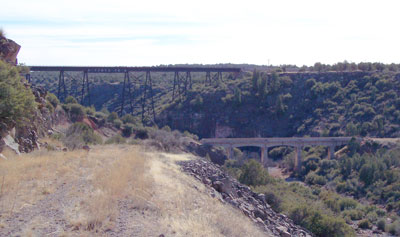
x,y
253,205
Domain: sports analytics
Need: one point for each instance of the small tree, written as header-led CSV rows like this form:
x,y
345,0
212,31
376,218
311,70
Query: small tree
x,y
71,100
253,173
76,112
52,99
17,102
111,117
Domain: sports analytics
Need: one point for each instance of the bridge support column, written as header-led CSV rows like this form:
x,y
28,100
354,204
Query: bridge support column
x,y
264,156
298,159
28,77
331,152
229,151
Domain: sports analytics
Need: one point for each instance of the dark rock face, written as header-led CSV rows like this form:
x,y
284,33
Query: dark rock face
x,y
253,205
8,50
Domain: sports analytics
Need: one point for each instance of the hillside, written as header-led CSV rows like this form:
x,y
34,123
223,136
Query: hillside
x,y
115,190
281,104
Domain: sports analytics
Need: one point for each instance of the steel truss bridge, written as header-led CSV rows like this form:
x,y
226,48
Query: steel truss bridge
x,y
182,81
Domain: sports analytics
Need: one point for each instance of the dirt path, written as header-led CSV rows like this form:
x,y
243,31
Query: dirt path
x,y
111,191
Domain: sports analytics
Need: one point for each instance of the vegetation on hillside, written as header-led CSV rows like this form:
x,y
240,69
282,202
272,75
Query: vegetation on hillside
x,y
374,176
17,102
323,102
318,207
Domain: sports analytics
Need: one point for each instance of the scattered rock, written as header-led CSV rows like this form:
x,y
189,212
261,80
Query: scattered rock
x,y
253,205
86,148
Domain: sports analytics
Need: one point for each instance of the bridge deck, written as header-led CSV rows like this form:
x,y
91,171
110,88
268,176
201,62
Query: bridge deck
x,y
96,69
276,141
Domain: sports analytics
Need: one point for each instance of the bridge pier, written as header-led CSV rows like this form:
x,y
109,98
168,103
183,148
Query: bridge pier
x,y
298,158
331,152
264,156
229,151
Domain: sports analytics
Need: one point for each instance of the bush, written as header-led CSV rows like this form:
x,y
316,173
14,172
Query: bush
x,y
354,214
17,103
365,224
76,112
381,224
127,118
127,130
347,204
117,139
80,134
313,178
253,173
52,98
319,223
141,133
49,106
274,201
111,117
167,141
90,110
394,228
166,128
71,100
117,123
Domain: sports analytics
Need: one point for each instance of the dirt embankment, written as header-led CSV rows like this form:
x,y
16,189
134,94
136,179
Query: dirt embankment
x,y
111,191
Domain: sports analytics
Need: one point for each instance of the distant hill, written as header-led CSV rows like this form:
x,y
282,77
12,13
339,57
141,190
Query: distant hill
x,y
260,103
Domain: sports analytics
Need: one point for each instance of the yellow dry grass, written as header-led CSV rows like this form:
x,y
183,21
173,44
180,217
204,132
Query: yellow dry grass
x,y
90,187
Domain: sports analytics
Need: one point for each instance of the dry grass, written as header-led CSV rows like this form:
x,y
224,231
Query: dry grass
x,y
111,189
187,209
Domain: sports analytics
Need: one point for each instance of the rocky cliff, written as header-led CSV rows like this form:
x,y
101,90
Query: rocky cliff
x,y
8,50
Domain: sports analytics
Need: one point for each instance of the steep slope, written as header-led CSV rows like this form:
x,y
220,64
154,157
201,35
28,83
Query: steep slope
x,y
113,191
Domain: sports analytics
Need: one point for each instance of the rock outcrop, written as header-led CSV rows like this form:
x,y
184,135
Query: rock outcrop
x,y
8,50
25,138
253,205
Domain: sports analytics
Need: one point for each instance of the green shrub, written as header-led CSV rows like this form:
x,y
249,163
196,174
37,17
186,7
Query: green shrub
x,y
127,130
71,100
117,139
232,167
117,123
274,201
365,224
17,103
394,228
347,204
52,99
319,223
353,214
141,132
313,178
90,110
166,128
253,173
76,112
111,117
381,224
79,134
191,135
127,118
49,106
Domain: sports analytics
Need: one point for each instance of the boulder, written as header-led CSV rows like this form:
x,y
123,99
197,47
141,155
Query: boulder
x,y
8,50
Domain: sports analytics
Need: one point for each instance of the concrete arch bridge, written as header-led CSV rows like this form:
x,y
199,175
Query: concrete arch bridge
x,y
264,143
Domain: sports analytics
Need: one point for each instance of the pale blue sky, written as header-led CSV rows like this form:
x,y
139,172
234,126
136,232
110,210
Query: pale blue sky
x,y
168,32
